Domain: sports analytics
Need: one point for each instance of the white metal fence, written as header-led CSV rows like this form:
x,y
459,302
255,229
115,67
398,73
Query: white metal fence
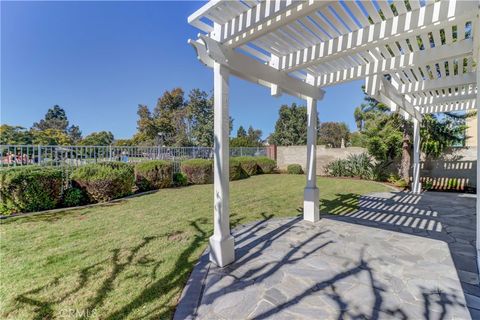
x,y
73,156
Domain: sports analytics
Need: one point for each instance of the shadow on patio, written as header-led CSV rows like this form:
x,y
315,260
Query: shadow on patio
x,y
287,268
449,217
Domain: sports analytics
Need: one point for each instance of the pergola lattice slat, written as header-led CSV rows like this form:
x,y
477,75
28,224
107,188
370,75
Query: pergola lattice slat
x,y
417,58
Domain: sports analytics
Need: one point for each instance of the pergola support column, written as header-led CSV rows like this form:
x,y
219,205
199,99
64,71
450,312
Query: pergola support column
x,y
222,250
311,194
478,150
416,185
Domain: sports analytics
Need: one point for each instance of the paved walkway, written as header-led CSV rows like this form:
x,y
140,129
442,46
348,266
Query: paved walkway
x,y
398,257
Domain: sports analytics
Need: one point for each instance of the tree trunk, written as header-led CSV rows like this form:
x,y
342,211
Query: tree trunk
x,y
406,156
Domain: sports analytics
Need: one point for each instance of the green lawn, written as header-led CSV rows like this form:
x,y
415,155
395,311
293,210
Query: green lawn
x,y
131,259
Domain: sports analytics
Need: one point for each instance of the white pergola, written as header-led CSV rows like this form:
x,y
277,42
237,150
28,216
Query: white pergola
x,y
416,57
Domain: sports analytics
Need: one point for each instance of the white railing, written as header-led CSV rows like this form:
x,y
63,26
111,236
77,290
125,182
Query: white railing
x,y
23,155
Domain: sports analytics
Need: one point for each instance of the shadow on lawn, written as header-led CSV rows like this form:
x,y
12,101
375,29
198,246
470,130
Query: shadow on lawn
x,y
120,263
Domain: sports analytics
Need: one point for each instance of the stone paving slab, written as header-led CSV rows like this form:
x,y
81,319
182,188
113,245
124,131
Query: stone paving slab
x,y
344,268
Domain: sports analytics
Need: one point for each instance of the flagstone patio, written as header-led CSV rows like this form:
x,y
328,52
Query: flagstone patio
x,y
399,256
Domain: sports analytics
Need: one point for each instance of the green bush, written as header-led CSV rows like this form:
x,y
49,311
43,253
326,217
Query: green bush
x,y
198,171
248,164
28,189
179,179
294,169
427,185
73,197
356,165
236,170
265,165
155,174
104,181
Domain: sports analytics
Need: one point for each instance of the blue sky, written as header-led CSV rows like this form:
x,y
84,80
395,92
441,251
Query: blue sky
x,y
99,60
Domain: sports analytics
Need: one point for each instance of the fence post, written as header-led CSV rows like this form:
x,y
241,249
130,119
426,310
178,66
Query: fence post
x,y
39,154
241,151
110,153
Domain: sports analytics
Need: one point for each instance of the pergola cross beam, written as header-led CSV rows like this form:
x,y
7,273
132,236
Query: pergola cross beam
x,y
421,58
209,51
424,20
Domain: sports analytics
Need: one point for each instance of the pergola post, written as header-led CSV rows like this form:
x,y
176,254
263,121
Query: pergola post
x,y
477,102
222,250
416,185
311,194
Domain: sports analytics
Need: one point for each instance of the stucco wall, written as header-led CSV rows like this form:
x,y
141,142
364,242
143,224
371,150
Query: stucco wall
x,y
457,163
298,154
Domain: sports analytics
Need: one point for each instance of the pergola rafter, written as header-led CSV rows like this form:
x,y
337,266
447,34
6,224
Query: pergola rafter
x,y
417,57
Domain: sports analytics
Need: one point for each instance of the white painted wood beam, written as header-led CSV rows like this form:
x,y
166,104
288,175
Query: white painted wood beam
x,y
416,185
449,107
422,101
388,94
408,60
242,66
265,17
436,16
447,82
222,250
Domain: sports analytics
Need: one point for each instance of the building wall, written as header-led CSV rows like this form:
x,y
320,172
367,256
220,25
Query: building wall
x,y
298,154
457,164
471,132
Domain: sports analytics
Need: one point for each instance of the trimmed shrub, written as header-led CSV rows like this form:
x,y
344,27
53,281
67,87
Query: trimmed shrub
x,y
28,189
179,179
155,174
356,165
73,197
248,164
265,165
294,169
198,171
104,181
236,170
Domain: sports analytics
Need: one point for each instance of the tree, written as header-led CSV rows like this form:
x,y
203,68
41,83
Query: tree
x,y
332,134
200,118
170,118
241,133
56,122
102,138
291,126
252,138
146,128
14,135
255,136
75,134
55,118
387,135
357,139
123,142
50,137
440,132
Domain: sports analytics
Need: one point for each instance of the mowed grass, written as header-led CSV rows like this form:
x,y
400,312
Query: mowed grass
x,y
131,259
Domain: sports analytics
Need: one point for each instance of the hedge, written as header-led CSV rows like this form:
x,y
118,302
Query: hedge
x,y
294,169
248,164
236,170
265,165
104,181
27,189
198,171
155,174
